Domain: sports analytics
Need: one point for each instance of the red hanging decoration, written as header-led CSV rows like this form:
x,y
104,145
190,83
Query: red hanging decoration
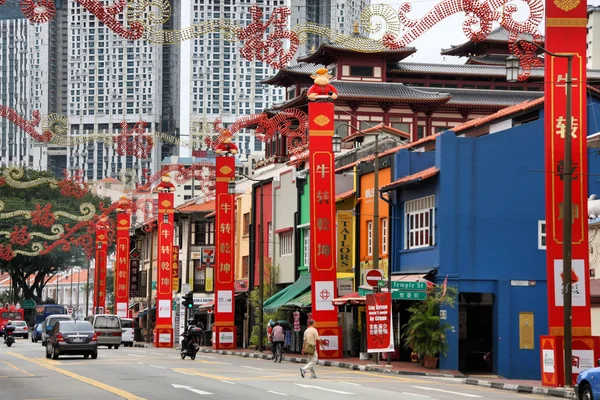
x,y
20,236
74,186
27,126
6,252
43,216
38,11
107,14
133,142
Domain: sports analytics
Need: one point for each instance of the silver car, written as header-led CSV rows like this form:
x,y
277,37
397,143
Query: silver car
x,y
21,329
108,328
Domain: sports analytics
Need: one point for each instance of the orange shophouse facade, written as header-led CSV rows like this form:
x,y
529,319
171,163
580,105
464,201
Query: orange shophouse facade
x,y
366,203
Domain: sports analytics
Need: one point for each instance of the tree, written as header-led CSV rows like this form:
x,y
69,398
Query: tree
x,y
269,290
49,208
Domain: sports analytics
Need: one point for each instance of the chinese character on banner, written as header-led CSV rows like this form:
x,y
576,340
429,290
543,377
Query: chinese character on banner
x,y
175,269
561,126
323,197
225,228
322,170
561,82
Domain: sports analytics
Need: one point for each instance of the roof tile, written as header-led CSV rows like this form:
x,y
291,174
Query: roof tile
x,y
209,206
419,176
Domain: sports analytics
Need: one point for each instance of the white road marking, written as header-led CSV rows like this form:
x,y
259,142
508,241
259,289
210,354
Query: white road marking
x,y
417,395
447,391
191,389
257,369
205,356
322,388
158,354
135,355
181,372
157,366
351,383
141,363
231,383
281,394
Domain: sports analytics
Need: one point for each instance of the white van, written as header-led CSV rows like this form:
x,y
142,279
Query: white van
x,y
107,328
127,326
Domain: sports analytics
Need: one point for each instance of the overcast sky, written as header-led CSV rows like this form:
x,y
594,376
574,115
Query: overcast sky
x,y
448,32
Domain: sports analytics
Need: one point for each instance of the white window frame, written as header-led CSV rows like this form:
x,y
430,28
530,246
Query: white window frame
x,y
384,235
542,234
270,246
286,240
369,238
419,223
307,248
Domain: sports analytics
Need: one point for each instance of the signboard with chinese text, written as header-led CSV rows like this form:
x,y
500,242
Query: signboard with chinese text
x,y
209,280
100,278
345,241
566,33
134,277
175,268
122,264
380,338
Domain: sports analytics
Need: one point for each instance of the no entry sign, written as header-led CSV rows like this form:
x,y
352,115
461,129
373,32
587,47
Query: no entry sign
x,y
373,277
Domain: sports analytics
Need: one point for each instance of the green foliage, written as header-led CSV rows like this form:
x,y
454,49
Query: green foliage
x,y
269,289
22,268
424,332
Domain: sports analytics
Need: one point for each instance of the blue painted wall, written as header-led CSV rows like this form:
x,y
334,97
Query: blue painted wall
x,y
489,198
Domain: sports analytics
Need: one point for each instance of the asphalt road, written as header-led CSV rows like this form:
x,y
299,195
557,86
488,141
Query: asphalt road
x,y
135,373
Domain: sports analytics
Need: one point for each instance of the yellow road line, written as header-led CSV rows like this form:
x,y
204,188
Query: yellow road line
x,y
17,368
89,381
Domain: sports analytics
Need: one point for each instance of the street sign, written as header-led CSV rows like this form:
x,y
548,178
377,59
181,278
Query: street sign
x,y
522,283
373,277
399,285
408,295
28,304
185,287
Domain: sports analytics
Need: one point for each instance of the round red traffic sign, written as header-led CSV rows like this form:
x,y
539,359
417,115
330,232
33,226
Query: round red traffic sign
x,y
373,277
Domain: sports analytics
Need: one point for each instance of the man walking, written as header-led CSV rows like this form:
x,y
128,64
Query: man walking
x,y
311,341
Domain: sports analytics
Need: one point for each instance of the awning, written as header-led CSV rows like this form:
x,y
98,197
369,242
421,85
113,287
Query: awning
x,y
294,290
145,311
206,306
302,301
350,298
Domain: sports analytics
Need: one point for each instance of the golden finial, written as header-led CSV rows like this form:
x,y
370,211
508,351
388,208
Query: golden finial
x,y
356,30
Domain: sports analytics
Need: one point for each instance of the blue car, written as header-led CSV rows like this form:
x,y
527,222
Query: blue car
x,y
587,385
36,334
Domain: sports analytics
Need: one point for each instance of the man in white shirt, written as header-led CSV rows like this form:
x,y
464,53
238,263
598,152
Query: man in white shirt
x,y
312,340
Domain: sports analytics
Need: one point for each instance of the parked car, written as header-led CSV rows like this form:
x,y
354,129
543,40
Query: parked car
x,y
36,333
127,326
108,328
587,385
48,324
21,329
72,337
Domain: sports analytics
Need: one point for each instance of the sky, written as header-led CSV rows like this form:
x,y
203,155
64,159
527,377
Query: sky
x,y
448,32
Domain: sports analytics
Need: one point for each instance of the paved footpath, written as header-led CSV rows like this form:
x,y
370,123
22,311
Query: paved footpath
x,y
148,373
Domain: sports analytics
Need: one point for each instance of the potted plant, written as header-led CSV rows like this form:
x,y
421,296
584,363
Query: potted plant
x,y
424,332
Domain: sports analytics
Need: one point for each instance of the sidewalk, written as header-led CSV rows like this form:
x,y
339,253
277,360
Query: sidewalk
x,y
404,368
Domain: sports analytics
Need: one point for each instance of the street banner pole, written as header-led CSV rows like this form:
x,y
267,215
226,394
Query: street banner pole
x,y
100,270
322,226
164,295
122,264
567,258
224,330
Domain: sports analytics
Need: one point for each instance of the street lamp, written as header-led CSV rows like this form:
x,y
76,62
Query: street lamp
x,y
336,142
512,70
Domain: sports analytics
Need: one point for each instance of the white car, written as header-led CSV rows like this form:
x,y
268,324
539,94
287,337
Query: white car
x,y
127,329
21,329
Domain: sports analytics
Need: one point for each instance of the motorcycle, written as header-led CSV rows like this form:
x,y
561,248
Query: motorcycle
x,y
9,337
192,338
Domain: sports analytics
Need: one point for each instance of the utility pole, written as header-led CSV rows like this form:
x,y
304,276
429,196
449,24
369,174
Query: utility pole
x,y
149,286
261,271
87,290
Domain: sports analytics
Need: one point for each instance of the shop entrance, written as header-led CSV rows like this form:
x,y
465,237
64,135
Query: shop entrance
x,y
475,332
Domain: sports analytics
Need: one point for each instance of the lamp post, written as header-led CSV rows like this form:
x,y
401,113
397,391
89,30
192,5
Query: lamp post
x,y
261,256
512,72
96,283
375,214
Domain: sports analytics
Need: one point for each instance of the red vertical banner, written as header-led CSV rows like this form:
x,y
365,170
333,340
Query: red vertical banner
x,y
100,264
175,269
323,226
566,32
122,263
379,323
224,327
164,293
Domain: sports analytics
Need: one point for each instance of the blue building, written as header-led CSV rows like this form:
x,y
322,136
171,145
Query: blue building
x,y
471,207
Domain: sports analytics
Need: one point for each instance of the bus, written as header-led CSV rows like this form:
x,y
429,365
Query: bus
x,y
43,310
10,313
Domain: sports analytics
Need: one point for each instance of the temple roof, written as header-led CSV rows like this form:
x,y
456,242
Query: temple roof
x,y
390,92
291,73
484,98
497,36
489,59
329,53
488,71
377,128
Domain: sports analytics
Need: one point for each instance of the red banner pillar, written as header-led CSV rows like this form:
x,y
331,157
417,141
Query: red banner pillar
x,y
100,266
224,331
122,262
163,333
566,32
322,226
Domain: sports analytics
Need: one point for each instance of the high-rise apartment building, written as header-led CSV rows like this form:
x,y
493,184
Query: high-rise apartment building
x,y
338,15
220,82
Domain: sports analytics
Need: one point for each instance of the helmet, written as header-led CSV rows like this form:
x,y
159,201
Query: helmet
x,y
9,322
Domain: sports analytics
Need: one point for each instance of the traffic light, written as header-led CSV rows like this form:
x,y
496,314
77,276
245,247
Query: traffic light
x,y
188,300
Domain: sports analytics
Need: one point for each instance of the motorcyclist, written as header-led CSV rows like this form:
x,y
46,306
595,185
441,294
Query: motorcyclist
x,y
187,336
9,328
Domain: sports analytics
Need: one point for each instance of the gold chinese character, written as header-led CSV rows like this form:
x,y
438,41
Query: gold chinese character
x,y
165,249
323,170
323,197
323,250
225,248
165,233
561,127
322,224
575,212
225,207
165,266
225,228
563,78
225,267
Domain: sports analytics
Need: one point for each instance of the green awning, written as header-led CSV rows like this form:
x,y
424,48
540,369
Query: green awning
x,y
291,292
302,301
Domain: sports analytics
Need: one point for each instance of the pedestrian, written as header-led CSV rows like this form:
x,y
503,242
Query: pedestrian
x,y
311,341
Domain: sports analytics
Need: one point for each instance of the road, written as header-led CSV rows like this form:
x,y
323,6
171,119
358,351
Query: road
x,y
135,373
